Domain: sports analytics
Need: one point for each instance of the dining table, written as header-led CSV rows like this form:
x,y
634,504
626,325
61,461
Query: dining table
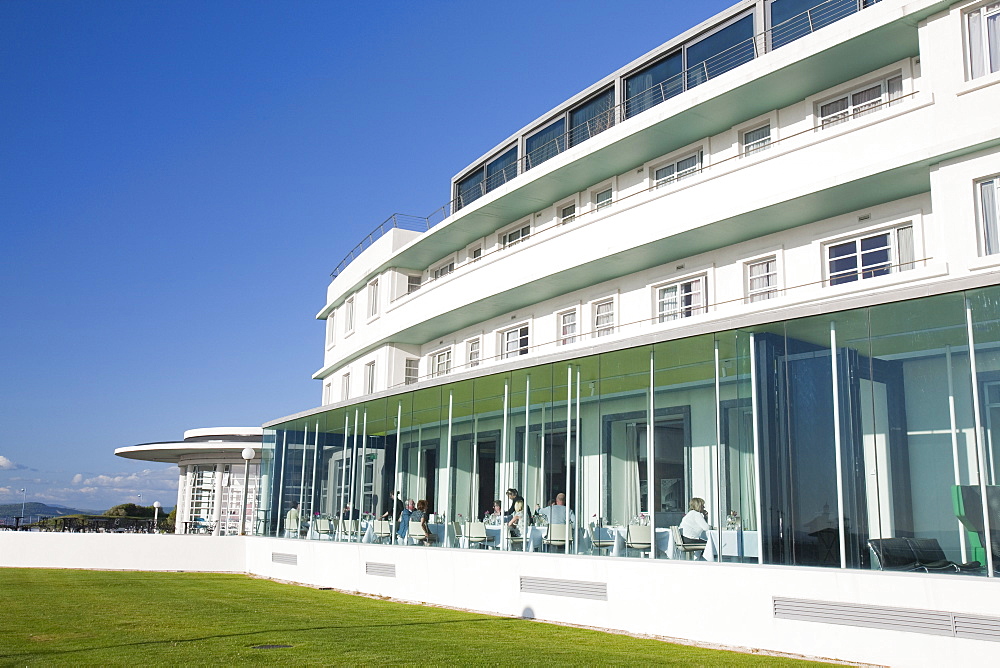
x,y
664,541
738,543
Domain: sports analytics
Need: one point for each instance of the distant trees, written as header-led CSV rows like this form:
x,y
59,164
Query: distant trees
x,y
130,510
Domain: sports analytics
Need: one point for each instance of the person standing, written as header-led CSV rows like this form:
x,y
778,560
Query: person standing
x,y
292,521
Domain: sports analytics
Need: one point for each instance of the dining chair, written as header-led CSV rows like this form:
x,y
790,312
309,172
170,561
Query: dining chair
x,y
515,542
557,536
382,529
687,548
348,529
638,537
323,527
601,537
475,533
416,532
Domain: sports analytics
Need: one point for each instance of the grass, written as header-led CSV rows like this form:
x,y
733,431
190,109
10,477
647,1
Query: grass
x,y
53,617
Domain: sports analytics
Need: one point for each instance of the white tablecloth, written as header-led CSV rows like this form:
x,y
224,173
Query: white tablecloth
x,y
493,536
734,543
664,541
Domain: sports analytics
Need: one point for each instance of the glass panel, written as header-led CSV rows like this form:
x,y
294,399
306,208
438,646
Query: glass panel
x,y
592,117
545,144
720,52
984,306
792,19
470,189
501,170
654,84
990,213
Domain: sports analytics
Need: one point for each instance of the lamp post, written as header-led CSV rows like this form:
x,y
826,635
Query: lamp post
x,y
156,515
247,455
22,503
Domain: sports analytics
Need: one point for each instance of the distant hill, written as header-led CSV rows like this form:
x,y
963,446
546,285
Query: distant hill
x,y
35,508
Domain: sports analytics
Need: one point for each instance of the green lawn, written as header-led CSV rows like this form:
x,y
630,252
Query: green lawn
x,y
128,618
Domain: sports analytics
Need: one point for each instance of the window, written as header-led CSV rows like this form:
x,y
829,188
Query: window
x,y
443,270
373,299
441,363
472,352
988,206
512,237
680,300
345,387
861,102
567,214
515,342
592,117
872,255
756,140
604,318
720,52
983,27
327,393
545,144
331,329
413,284
369,377
567,328
762,280
675,171
652,85
602,200
349,315
792,19
487,177
475,254
412,371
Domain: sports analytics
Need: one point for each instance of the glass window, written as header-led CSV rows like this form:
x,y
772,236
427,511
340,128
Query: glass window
x,y
873,255
988,207
567,214
441,363
512,237
762,280
792,19
604,318
983,27
349,315
373,299
485,178
755,141
469,189
592,117
473,352
545,144
327,392
412,284
681,300
369,377
861,102
501,170
443,270
654,84
331,329
720,52
603,199
686,166
567,328
345,387
476,254
515,342
412,371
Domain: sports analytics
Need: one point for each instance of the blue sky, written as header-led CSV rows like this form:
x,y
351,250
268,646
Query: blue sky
x,y
177,180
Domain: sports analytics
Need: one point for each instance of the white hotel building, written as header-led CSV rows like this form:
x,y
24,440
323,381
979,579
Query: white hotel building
x,y
757,265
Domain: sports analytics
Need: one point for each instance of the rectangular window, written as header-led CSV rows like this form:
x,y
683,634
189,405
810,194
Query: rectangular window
x,y
592,117
411,372
349,315
567,328
681,300
512,237
756,140
988,206
327,393
654,84
373,299
792,19
602,200
472,352
441,363
331,329
871,255
485,178
369,377
567,214
545,144
762,280
675,171
861,102
720,52
983,27
413,283
345,387
515,342
443,270
604,318
476,254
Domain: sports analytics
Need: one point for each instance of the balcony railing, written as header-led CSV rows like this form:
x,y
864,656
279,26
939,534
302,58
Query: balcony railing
x,y
809,21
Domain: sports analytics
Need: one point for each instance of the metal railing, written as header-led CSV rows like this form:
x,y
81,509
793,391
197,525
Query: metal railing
x,y
809,21
400,221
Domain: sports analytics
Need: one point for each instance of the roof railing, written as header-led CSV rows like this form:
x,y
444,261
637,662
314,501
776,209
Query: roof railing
x,y
809,21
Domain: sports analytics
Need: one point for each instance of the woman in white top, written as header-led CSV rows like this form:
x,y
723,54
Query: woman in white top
x,y
695,523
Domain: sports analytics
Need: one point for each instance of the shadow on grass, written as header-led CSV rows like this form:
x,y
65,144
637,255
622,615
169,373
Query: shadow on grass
x,y
174,641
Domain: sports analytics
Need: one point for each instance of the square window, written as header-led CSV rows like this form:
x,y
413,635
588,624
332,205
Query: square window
x,y
682,299
441,363
756,140
604,318
761,280
983,32
567,328
475,254
411,372
514,342
603,199
413,283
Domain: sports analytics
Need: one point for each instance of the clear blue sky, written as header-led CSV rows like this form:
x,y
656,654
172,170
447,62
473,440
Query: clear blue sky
x,y
177,180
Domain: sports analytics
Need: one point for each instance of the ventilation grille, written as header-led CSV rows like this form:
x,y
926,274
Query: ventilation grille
x,y
382,570
285,558
597,591
933,622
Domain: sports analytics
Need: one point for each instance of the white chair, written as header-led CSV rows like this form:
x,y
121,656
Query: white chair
x,y
348,529
638,537
323,527
416,532
687,548
475,534
514,542
558,536
601,538
381,530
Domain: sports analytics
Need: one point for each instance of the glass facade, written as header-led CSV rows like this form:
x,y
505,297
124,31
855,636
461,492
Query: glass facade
x,y
836,440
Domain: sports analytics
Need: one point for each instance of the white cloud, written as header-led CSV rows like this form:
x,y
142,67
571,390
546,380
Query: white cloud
x,y
8,465
78,478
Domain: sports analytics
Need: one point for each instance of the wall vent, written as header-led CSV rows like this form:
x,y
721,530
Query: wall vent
x,y
912,620
285,558
383,570
597,591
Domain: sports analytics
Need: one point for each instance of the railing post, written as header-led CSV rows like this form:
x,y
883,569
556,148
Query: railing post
x,y
810,19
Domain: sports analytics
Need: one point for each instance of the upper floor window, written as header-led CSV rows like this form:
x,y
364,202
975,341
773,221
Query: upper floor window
x,y
604,318
761,280
988,208
489,176
411,372
544,144
443,270
331,329
373,299
413,283
756,140
327,392
592,117
686,166
441,363
792,19
345,387
870,255
349,315
515,235
603,199
567,328
567,214
983,27
514,342
682,299
653,84
473,352
860,102
476,253
369,377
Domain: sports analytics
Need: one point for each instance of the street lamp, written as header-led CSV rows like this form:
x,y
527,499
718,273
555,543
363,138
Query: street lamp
x,y
156,514
22,504
247,455
140,500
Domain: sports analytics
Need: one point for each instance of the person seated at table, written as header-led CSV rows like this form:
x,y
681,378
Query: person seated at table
x,y
520,519
694,526
555,512
495,517
420,515
404,518
350,514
